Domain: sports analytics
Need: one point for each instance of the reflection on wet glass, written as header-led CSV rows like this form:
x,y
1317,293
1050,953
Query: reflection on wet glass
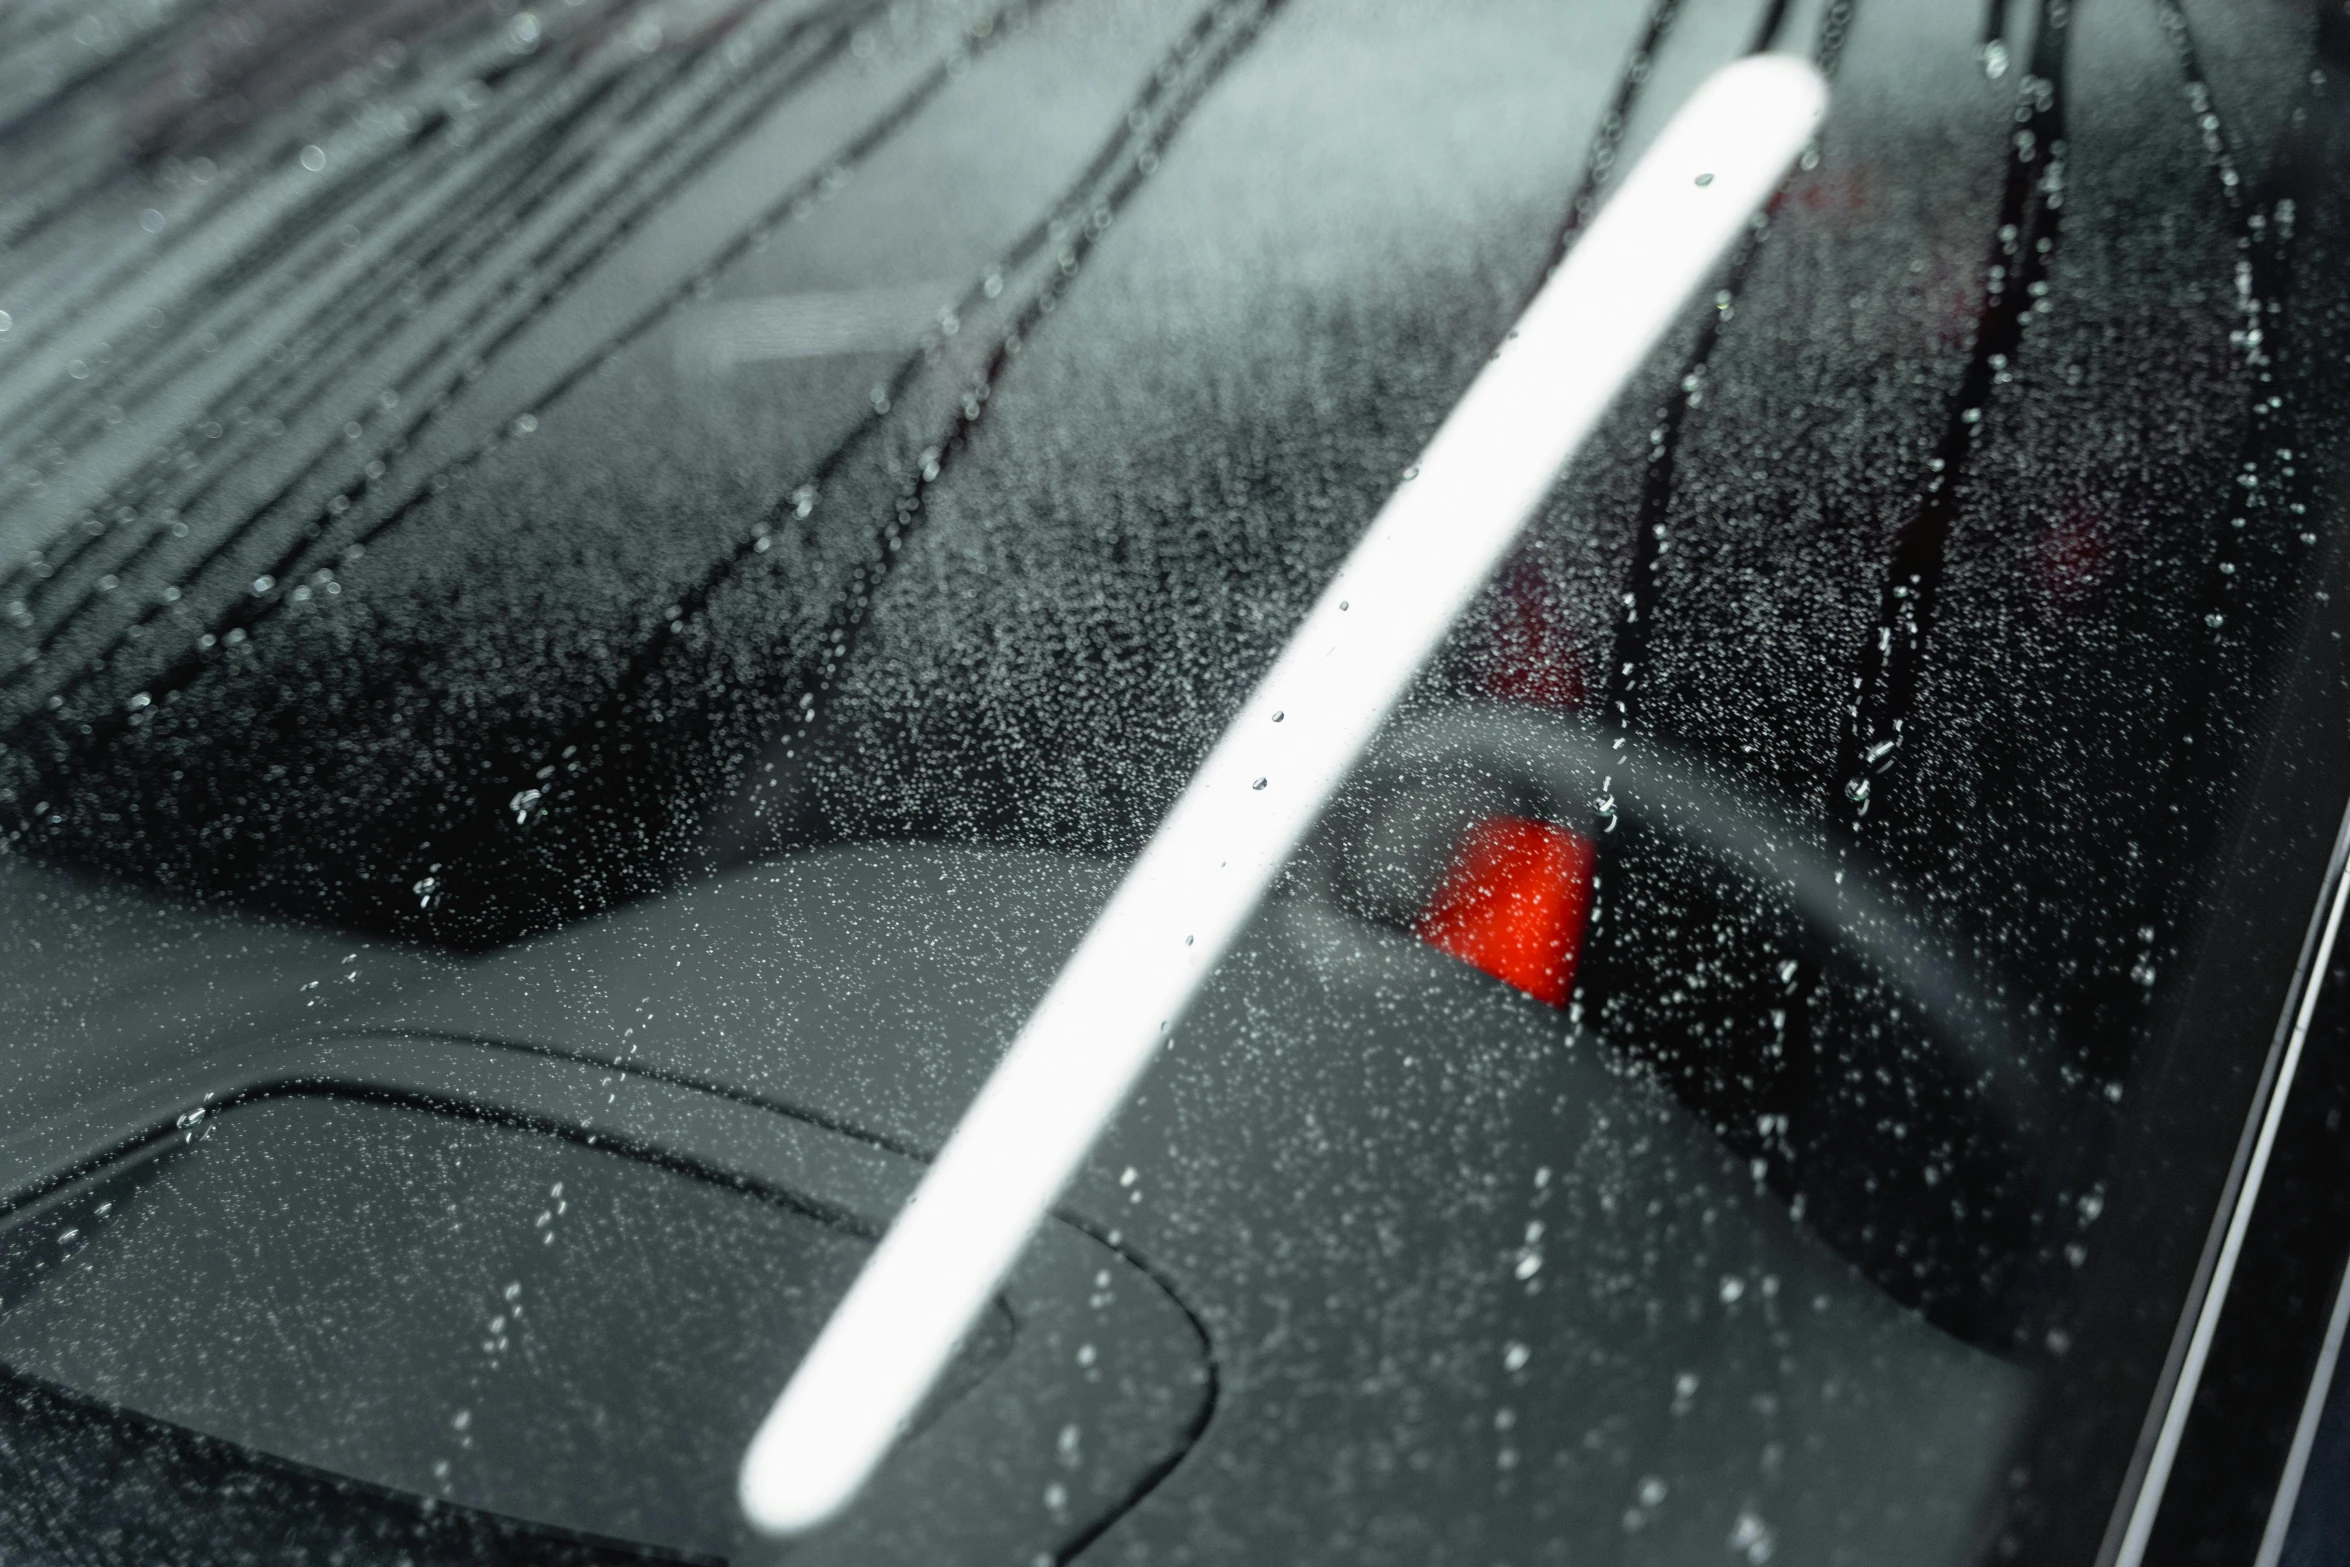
x,y
708,534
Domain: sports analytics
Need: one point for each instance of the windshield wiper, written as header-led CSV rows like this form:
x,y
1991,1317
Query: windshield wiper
x,y
1186,897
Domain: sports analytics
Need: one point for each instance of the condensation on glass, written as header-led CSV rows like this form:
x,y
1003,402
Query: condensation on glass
x,y
700,537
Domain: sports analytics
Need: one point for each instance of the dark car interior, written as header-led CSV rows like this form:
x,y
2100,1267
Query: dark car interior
x,y
593,598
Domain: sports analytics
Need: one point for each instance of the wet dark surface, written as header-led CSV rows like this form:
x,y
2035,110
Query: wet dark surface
x,y
464,471
88,1484
354,1287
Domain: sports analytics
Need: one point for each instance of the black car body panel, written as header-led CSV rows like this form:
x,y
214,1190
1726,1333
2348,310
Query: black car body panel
x,y
673,552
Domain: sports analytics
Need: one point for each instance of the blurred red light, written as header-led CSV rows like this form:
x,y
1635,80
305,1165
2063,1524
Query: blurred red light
x,y
1515,904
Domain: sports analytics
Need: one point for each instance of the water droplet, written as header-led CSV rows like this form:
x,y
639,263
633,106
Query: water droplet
x,y
1752,1538
314,158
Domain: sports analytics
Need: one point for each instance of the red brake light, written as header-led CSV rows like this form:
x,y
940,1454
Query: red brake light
x,y
1515,904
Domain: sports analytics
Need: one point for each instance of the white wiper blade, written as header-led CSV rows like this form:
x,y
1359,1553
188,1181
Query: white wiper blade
x,y
1434,543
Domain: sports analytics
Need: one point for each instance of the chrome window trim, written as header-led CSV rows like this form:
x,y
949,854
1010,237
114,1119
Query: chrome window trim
x,y
2131,1526
2280,1511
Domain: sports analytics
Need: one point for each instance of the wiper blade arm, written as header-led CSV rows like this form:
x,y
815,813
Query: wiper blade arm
x,y
1186,897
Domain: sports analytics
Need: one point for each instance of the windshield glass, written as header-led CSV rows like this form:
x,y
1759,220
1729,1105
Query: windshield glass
x,y
699,538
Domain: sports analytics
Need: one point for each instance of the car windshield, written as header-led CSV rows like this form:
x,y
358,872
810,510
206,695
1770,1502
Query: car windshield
x,y
594,599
